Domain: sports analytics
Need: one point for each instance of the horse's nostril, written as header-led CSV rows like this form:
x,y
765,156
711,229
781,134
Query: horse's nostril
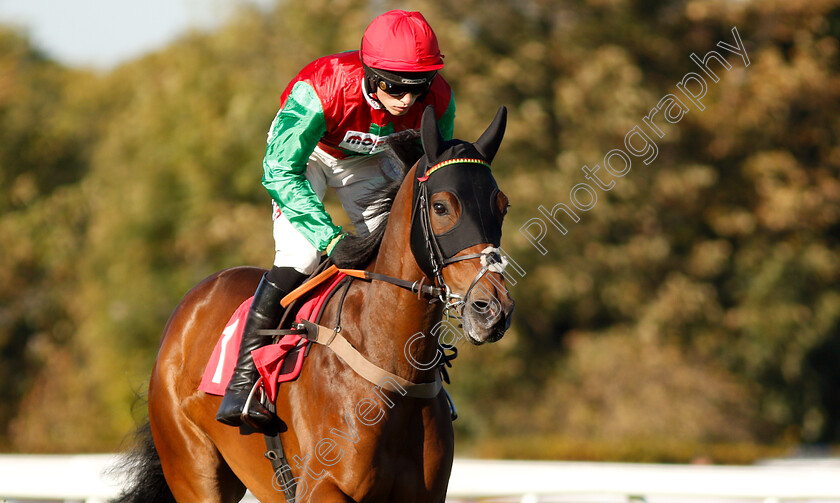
x,y
481,305
486,310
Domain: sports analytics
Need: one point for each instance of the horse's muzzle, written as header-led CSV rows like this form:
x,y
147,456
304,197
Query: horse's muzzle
x,y
487,319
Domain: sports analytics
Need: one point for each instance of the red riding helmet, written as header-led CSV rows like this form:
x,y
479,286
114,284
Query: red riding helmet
x,y
400,42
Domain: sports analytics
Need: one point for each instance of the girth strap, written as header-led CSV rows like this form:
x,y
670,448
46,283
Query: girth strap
x,y
333,339
282,471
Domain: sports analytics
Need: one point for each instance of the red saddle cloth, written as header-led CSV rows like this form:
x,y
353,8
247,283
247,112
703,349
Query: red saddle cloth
x,y
270,360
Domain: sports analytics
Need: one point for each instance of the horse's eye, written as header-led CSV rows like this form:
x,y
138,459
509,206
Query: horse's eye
x,y
440,208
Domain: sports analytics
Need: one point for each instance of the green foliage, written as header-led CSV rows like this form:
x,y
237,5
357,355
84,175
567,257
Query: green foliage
x,y
694,311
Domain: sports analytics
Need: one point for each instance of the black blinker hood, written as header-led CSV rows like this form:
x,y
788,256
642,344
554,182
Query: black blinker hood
x,y
462,169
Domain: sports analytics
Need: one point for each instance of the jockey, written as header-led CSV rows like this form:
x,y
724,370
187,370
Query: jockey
x,y
335,121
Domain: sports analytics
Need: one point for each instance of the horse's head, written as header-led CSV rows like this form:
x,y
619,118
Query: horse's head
x,y
456,226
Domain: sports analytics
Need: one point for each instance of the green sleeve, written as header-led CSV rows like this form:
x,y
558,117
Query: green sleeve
x,y
447,121
294,134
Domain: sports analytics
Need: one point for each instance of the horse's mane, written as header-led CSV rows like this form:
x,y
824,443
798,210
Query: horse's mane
x,y
357,251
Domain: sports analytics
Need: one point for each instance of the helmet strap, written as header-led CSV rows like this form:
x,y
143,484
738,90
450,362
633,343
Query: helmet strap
x,y
369,86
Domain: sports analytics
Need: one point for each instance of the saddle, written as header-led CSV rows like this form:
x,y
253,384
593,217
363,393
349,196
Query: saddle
x,y
281,361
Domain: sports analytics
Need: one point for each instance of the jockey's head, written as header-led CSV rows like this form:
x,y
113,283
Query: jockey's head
x,y
401,57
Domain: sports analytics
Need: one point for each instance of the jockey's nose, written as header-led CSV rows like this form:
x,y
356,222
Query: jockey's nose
x,y
409,99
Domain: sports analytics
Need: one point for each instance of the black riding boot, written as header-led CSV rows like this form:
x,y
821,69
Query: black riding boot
x,y
264,314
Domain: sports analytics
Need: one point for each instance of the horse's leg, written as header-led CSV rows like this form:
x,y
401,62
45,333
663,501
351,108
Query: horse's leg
x,y
194,469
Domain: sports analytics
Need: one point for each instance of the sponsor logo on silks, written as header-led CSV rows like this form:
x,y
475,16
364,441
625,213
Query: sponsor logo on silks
x,y
369,143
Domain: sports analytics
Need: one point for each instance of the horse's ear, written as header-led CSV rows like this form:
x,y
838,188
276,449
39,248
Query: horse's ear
x,y
430,134
490,140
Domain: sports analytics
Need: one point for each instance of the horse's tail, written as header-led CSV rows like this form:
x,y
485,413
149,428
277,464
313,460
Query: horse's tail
x,y
144,472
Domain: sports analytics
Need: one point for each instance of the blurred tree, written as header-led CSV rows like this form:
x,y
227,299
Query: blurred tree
x,y
43,154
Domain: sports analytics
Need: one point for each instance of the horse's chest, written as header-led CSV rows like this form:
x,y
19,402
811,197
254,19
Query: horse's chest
x,y
402,457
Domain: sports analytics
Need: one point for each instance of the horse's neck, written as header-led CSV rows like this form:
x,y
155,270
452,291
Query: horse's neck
x,y
392,317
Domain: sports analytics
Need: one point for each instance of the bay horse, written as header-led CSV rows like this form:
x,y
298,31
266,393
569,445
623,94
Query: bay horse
x,y
443,228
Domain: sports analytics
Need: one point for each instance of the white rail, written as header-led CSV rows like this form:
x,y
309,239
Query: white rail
x,y
626,482
58,478
83,478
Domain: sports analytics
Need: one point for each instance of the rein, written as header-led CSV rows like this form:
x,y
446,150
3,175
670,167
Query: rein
x,y
491,261
416,287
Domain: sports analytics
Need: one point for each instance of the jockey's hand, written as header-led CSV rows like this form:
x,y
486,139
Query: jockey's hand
x,y
337,239
339,253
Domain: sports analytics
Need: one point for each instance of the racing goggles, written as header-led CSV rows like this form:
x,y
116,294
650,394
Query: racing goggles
x,y
399,84
400,90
